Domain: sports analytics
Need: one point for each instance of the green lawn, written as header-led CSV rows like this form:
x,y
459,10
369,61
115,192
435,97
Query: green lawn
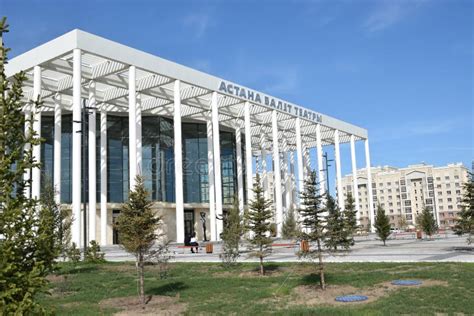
x,y
210,288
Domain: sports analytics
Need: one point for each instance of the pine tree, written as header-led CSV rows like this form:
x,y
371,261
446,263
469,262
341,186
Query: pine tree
x,y
231,235
137,225
312,222
350,218
428,222
258,223
335,230
24,262
465,221
289,228
382,224
51,227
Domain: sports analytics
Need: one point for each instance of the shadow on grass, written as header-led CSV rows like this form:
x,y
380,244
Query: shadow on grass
x,y
314,279
76,269
168,289
269,267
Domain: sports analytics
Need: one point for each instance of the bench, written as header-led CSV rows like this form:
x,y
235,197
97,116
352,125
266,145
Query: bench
x,y
189,247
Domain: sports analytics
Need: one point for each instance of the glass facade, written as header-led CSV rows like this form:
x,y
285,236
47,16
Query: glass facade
x,y
195,166
47,150
117,158
157,159
228,167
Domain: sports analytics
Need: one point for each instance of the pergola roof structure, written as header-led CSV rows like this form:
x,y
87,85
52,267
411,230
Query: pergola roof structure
x,y
106,63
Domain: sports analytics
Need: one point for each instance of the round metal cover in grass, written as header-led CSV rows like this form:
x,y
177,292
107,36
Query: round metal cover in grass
x,y
351,298
406,282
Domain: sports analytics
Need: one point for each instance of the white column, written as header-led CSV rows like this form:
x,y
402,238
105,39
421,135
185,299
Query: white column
x,y
36,172
178,164
287,175
27,173
92,162
248,152
138,132
57,148
103,177
292,180
277,174
340,195
354,179
217,161
369,186
240,180
76,148
299,157
319,153
263,163
132,125
210,164
306,161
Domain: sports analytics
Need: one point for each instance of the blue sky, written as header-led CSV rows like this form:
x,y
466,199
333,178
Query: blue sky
x,y
401,69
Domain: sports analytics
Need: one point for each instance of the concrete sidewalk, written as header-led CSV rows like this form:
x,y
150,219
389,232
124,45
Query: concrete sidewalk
x,y
366,249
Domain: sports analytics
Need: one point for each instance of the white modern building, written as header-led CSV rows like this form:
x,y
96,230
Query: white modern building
x,y
111,112
404,192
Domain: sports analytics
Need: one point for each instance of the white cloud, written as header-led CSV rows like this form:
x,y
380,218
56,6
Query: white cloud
x,y
387,13
199,22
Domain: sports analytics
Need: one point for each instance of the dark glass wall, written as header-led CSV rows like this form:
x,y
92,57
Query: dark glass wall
x,y
228,167
157,158
117,158
47,150
195,166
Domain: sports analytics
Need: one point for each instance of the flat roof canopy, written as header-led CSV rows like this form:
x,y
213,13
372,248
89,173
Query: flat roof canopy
x,y
106,63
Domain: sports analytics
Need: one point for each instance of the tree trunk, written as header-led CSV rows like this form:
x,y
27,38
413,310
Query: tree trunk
x,y
262,271
321,266
141,276
384,242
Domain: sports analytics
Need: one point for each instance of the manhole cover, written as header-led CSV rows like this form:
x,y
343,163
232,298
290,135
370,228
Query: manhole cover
x,y
351,298
406,282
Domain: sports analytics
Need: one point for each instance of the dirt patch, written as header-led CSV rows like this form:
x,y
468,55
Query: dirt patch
x,y
54,278
252,273
157,305
312,295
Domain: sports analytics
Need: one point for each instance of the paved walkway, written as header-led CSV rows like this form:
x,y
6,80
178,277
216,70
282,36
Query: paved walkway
x,y
366,249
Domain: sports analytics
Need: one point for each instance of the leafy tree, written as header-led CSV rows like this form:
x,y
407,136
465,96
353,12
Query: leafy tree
x,y
402,222
312,222
231,235
427,222
465,221
258,223
350,218
93,253
289,228
137,225
24,260
73,253
382,224
335,230
54,229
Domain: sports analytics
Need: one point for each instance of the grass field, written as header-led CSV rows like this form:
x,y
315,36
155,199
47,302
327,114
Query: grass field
x,y
206,288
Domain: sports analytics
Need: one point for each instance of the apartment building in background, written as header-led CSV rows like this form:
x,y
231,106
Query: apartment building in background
x,y
403,192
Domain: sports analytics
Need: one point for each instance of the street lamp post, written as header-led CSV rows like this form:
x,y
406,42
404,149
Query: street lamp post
x,y
326,162
85,112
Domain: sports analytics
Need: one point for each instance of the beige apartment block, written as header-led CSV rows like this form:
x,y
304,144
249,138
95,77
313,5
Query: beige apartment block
x,y
403,192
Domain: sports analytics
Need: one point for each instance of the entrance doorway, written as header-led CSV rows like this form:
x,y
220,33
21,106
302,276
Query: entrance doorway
x,y
188,223
115,233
